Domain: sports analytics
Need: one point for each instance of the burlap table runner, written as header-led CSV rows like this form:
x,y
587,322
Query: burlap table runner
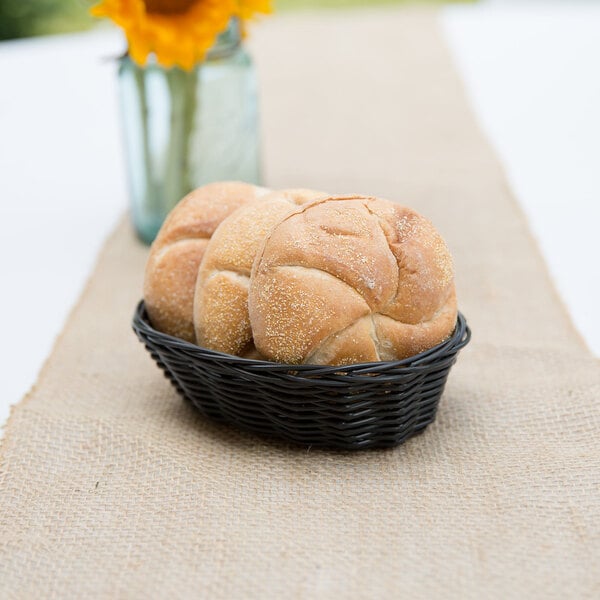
x,y
111,486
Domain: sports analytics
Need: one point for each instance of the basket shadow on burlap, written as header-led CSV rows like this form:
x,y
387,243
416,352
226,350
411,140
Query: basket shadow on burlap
x,y
368,405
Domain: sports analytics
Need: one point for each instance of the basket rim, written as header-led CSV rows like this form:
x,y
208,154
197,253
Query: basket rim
x,y
460,337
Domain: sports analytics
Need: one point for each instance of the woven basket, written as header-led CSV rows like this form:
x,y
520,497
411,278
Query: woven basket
x,y
368,405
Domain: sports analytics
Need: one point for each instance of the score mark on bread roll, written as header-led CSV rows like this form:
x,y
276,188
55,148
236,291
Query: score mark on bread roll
x,y
221,299
175,255
351,279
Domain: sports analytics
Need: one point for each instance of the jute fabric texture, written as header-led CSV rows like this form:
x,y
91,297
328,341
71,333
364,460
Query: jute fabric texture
x,y
112,487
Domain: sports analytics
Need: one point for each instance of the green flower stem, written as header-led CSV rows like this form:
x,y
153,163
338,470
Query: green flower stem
x,y
153,197
183,96
191,110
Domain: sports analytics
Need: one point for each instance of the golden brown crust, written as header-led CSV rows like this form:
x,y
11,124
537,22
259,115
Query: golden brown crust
x,y
175,255
351,279
252,353
397,340
220,306
297,309
355,344
223,303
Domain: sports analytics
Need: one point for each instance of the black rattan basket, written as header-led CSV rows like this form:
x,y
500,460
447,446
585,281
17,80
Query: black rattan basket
x,y
369,405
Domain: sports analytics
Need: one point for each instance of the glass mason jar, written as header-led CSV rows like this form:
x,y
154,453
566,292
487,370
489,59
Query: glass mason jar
x,y
184,129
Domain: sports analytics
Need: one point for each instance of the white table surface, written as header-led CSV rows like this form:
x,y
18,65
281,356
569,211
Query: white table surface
x,y
532,74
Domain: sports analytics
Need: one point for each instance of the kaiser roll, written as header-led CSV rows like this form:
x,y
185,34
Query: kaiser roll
x,y
175,256
221,298
351,279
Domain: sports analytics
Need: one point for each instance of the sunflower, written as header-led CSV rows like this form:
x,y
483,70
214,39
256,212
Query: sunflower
x,y
178,32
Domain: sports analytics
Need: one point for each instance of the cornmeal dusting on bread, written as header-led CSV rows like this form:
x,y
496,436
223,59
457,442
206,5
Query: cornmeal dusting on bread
x,y
175,255
347,279
221,316
280,319
226,305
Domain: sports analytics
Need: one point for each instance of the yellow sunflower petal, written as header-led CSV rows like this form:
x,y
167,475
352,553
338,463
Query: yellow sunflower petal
x,y
177,38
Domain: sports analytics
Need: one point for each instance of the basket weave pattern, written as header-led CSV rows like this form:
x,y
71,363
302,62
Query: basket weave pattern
x,y
366,405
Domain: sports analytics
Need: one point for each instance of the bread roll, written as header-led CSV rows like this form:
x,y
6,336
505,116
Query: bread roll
x,y
176,253
221,298
351,279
